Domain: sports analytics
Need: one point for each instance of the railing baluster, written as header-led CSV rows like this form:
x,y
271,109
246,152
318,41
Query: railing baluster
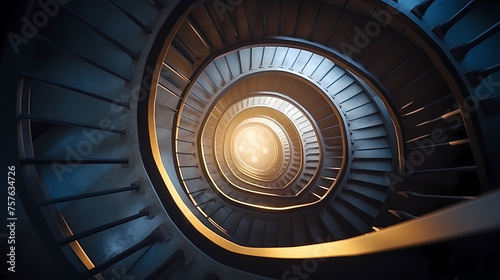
x,y
402,215
232,25
264,17
86,93
84,59
185,141
181,48
168,90
247,19
331,126
212,80
420,9
208,93
195,192
262,57
224,82
317,67
298,18
336,80
185,129
133,187
451,169
155,237
325,118
410,194
131,17
447,144
332,32
47,161
305,65
443,28
211,18
430,105
186,154
316,20
294,61
415,80
435,132
167,267
191,106
477,76
333,148
104,227
189,119
460,51
397,69
113,41
205,202
385,47
198,33
328,179
72,123
191,179
158,3
177,73
442,117
107,226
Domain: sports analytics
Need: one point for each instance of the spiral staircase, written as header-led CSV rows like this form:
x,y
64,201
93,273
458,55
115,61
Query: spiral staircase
x,y
238,139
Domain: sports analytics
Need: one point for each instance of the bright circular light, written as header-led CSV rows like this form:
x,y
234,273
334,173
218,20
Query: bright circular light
x,y
250,135
251,148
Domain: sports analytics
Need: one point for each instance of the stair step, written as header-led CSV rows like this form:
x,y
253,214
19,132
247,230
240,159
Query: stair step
x,y
257,233
373,178
370,192
232,222
179,62
362,203
373,154
370,144
359,112
271,233
316,230
381,165
300,231
332,224
351,216
369,133
366,122
285,232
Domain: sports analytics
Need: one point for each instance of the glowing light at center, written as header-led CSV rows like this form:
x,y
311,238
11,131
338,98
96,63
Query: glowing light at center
x,y
256,148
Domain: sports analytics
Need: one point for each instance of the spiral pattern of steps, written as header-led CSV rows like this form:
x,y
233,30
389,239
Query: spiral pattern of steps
x,y
338,115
